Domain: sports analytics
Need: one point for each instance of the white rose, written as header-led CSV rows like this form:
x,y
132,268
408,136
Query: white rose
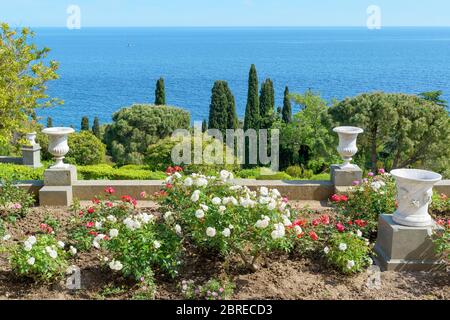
x,y
216,201
200,214
342,246
178,230
31,261
31,240
359,233
195,196
156,244
262,224
112,219
6,237
28,246
211,232
113,233
222,209
53,254
272,205
326,250
98,225
225,175
73,250
350,264
61,244
177,175
188,182
115,265
264,191
204,207
298,230
201,182
226,232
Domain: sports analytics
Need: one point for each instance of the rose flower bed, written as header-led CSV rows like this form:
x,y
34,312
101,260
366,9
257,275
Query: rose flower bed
x,y
205,238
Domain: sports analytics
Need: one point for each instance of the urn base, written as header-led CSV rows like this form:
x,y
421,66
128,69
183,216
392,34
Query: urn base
x,y
403,248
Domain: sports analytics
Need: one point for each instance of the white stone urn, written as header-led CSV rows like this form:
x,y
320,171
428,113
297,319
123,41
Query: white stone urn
x,y
31,138
414,194
57,145
347,144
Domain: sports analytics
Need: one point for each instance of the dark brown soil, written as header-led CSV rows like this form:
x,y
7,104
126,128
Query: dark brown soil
x,y
280,277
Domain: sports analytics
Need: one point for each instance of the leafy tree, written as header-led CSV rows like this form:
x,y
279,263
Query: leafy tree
x,y
49,122
96,128
85,123
135,128
267,104
160,93
85,149
434,96
252,113
400,130
287,107
23,82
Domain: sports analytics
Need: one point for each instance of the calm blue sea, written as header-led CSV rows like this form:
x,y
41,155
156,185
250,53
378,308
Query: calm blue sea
x,y
105,69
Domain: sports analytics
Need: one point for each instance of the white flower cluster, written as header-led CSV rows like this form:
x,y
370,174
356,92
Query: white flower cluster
x,y
136,222
115,265
377,185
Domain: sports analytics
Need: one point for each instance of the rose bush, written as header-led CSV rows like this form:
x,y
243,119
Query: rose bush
x,y
41,257
14,201
367,199
218,215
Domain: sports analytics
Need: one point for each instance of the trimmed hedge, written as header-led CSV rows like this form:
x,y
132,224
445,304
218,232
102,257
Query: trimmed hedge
x,y
106,172
20,172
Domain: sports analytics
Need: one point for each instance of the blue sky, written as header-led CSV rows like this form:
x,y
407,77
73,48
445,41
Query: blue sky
x,y
225,12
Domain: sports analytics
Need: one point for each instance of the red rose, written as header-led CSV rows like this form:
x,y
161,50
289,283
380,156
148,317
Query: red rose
x,y
350,223
169,186
95,201
344,198
93,233
81,213
109,204
134,202
335,198
170,171
91,210
314,236
178,169
90,224
325,219
315,222
361,223
440,222
126,199
300,235
340,227
110,190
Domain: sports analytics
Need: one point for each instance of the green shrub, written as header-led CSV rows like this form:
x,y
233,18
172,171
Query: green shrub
x,y
440,206
294,171
348,253
135,128
248,173
14,201
85,149
159,157
106,172
40,257
276,176
11,171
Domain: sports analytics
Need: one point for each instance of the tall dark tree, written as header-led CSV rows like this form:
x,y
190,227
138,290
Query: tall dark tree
x,y
85,123
434,96
49,122
287,107
267,104
218,109
96,127
232,118
204,126
251,120
160,93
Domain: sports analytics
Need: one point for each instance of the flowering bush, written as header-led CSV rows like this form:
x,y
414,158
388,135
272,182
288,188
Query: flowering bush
x,y
41,257
348,252
441,239
14,201
369,198
212,290
440,205
216,214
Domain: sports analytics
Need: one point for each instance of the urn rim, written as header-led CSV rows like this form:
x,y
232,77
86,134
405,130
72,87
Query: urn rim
x,y
416,175
348,130
56,131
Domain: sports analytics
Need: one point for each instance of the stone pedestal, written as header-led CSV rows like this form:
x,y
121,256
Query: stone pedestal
x,y
57,190
402,248
32,156
345,177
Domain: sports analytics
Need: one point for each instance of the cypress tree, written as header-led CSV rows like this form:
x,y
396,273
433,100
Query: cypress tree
x,y
266,104
204,126
85,123
251,120
49,122
287,107
218,109
160,93
96,127
232,118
